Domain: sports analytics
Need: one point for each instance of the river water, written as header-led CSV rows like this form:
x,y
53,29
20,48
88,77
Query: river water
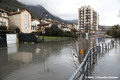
x,y
42,61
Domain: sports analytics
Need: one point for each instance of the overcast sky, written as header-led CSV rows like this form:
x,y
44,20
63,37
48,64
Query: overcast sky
x,y
108,10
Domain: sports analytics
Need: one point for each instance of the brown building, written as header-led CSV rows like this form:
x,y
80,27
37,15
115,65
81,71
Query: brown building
x,y
21,19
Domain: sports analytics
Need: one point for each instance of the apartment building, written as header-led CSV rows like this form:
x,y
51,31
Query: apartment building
x,y
4,17
88,19
21,19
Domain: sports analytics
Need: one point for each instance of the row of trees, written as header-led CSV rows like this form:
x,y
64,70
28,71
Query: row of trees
x,y
114,31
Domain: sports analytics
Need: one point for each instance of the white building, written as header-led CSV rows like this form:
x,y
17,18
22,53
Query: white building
x,y
88,19
34,24
4,17
65,28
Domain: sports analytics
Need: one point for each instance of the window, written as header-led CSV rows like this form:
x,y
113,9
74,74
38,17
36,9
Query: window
x,y
4,23
0,14
13,23
13,17
26,16
16,23
16,16
26,23
10,23
10,17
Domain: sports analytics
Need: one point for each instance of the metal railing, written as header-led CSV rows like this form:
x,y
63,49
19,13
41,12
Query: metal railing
x,y
82,71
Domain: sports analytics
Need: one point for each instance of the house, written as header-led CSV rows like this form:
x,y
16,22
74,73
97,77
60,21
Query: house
x,y
34,24
65,28
4,17
21,19
49,22
69,25
75,26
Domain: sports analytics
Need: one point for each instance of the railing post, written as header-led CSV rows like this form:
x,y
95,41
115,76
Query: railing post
x,y
102,48
105,46
99,48
87,66
113,43
83,69
93,55
90,57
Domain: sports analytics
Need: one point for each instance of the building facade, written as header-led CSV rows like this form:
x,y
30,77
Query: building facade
x,y
88,19
4,17
21,19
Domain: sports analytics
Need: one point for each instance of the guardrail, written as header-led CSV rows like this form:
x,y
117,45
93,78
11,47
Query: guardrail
x,y
82,71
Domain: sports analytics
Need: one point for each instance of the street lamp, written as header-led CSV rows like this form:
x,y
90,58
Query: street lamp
x,y
42,28
42,22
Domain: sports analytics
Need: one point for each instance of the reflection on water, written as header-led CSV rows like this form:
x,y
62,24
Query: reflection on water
x,y
24,57
12,48
51,60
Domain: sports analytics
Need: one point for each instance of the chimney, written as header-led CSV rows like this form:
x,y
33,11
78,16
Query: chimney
x,y
18,10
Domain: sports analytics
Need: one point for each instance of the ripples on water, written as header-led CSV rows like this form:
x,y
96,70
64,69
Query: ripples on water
x,y
43,61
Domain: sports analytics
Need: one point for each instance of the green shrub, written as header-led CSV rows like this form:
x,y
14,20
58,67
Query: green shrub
x,y
54,30
3,27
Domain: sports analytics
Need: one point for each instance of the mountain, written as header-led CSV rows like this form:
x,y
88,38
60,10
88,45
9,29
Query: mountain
x,y
37,11
11,5
40,12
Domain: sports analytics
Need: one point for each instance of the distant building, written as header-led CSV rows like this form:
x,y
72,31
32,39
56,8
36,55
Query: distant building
x,y
34,24
75,26
47,23
65,28
21,19
50,22
4,17
88,19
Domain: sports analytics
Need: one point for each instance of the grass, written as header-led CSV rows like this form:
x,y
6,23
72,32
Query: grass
x,y
53,38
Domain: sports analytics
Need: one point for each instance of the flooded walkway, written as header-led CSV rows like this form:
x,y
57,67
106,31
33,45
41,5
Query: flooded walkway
x,y
108,65
43,61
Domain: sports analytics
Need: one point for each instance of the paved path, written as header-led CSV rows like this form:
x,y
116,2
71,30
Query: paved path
x,y
108,66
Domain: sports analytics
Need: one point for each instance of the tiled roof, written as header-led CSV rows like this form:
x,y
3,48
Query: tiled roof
x,y
43,24
4,11
35,19
13,13
53,21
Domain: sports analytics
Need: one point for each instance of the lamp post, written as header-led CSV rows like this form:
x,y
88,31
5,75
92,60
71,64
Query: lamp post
x,y
43,28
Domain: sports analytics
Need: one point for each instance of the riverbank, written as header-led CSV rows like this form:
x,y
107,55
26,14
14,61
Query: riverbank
x,y
53,38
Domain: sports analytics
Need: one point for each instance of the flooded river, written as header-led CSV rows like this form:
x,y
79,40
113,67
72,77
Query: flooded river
x,y
42,61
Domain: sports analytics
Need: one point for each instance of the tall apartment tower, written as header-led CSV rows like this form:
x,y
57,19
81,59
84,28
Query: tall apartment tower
x,y
88,19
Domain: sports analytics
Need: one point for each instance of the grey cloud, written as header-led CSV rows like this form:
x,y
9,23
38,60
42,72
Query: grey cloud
x,y
68,9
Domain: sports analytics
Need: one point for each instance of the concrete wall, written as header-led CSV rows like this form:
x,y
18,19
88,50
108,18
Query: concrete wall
x,y
11,39
3,42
